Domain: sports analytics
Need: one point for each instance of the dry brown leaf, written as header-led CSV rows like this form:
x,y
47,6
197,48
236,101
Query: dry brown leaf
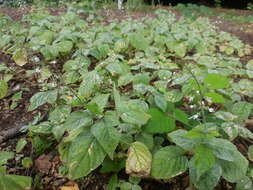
x,y
70,186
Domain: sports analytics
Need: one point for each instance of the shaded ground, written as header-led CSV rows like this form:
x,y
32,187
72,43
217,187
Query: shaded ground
x,y
48,164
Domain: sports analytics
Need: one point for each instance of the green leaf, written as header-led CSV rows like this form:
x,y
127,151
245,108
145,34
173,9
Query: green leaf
x,y
125,79
14,182
3,89
146,139
118,68
77,120
5,156
180,139
20,57
27,162
59,114
169,162
249,67
244,184
113,182
134,115
223,149
139,160
203,159
46,37
82,155
215,97
208,180
159,122
233,171
138,41
250,153
41,98
173,96
100,101
216,81
107,136
181,116
242,110
160,102
20,145
91,82
112,165
65,46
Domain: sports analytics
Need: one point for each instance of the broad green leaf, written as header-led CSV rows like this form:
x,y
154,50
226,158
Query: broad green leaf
x,y
208,180
112,165
249,67
118,68
169,162
244,184
43,128
181,116
82,155
91,82
203,159
139,160
223,149
20,145
78,119
3,89
250,153
135,115
15,182
20,57
125,79
5,156
113,182
139,42
216,81
107,136
27,162
159,122
233,171
100,102
41,98
146,139
59,114
242,110
215,97
46,37
160,102
65,46
178,137
173,96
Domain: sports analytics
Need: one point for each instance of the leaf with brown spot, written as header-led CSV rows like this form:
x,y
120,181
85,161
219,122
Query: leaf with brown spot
x,y
139,160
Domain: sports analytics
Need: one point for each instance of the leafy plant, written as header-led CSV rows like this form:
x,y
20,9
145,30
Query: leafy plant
x,y
157,97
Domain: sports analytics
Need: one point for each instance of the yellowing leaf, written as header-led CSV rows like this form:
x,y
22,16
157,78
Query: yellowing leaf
x,y
20,57
3,88
70,186
139,160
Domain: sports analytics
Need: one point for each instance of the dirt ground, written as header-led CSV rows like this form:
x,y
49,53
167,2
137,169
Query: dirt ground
x,y
19,117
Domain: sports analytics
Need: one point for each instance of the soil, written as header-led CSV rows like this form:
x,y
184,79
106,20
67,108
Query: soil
x,y
48,164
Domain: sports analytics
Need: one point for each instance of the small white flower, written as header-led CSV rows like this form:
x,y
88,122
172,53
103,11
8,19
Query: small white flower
x,y
211,110
192,106
36,59
196,116
202,102
197,92
53,62
37,70
191,98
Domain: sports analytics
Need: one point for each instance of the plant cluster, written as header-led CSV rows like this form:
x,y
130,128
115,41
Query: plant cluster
x,y
156,96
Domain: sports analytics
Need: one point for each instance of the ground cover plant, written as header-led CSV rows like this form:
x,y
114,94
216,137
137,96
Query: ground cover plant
x,y
156,97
